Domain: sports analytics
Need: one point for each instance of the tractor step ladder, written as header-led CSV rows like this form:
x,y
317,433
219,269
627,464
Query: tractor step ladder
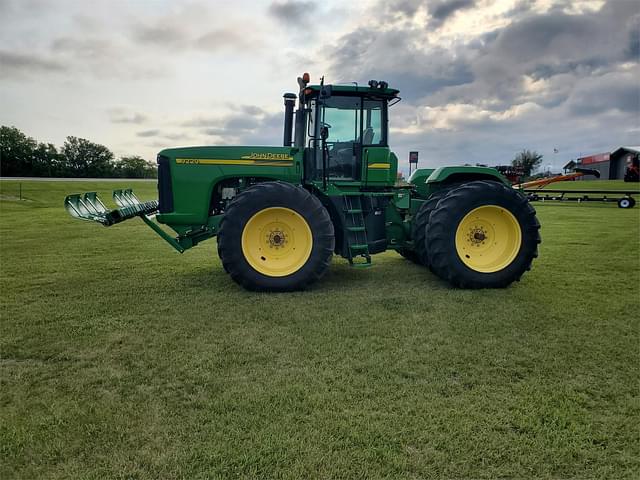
x,y
355,233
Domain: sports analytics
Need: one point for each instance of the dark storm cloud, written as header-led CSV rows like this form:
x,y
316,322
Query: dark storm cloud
x,y
370,54
439,11
292,12
13,64
442,10
558,39
545,80
546,46
633,45
614,91
490,68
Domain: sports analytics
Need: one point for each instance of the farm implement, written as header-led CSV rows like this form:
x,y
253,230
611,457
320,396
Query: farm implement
x,y
534,192
624,199
280,213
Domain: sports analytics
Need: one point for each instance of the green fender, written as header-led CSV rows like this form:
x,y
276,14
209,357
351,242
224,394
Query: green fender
x,y
428,180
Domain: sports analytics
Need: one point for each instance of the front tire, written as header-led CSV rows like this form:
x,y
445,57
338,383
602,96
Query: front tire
x,y
275,237
482,235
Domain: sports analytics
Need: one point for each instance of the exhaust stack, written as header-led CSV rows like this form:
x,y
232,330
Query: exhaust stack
x,y
289,103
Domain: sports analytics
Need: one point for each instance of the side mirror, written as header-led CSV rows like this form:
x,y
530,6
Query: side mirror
x,y
324,132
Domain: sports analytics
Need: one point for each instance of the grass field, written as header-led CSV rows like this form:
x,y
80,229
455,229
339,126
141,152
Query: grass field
x,y
123,359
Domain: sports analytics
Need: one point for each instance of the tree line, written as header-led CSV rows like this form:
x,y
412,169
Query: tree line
x,y
23,156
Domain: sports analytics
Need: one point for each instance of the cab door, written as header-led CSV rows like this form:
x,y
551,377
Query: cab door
x,y
340,115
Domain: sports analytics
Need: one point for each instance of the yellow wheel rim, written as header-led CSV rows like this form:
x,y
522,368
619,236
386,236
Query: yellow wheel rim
x,y
488,239
277,241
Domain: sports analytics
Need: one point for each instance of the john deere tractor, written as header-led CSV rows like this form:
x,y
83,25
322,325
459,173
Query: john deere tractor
x,y
280,213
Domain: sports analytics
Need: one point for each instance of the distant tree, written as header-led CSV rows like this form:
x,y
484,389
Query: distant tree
x,y
135,167
82,158
16,153
48,162
527,160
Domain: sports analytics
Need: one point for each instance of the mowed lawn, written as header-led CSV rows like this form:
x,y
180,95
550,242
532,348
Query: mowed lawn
x,y
124,359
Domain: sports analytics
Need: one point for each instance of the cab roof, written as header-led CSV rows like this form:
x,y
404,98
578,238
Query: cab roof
x,y
357,89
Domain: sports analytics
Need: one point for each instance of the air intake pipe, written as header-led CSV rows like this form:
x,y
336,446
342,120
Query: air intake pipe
x,y
289,103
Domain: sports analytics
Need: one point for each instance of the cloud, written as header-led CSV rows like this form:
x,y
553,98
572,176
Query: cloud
x,y
119,115
177,38
251,110
226,38
243,125
417,70
612,91
440,11
148,133
536,78
496,69
14,64
195,27
633,45
85,48
161,35
157,133
479,79
292,12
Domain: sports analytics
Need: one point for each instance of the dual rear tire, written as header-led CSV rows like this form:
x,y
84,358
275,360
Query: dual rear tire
x,y
481,234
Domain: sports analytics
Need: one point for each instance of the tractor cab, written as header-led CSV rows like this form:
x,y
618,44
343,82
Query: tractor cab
x,y
343,130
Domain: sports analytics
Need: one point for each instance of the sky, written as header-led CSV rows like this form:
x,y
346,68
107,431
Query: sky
x,y
480,80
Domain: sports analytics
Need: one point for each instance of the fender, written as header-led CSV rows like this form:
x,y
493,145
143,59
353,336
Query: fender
x,y
428,181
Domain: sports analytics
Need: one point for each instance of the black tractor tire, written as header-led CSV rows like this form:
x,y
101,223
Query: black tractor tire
x,y
283,198
420,225
510,212
410,255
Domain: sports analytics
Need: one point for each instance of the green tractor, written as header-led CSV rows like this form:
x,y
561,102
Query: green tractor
x,y
280,213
